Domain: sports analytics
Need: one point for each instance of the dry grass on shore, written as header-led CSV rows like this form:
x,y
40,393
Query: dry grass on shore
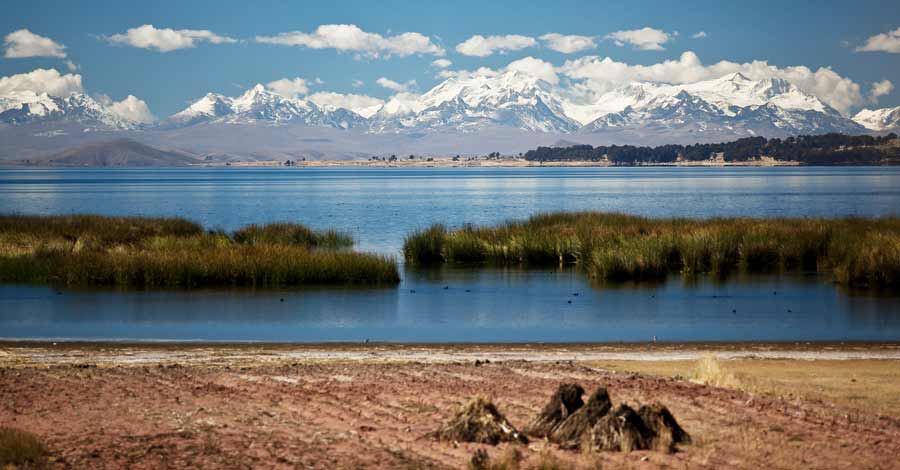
x,y
87,250
616,247
868,385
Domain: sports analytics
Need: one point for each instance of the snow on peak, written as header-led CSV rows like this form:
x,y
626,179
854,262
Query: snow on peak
x,y
25,106
259,104
879,119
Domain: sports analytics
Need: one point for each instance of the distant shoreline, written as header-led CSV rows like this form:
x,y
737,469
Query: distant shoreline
x,y
498,163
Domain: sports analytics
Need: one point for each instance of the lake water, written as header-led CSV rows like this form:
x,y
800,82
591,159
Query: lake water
x,y
380,206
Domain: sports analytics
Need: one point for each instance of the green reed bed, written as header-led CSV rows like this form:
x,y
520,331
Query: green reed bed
x,y
175,253
856,251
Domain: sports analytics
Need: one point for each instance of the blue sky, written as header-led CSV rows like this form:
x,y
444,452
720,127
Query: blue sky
x,y
811,34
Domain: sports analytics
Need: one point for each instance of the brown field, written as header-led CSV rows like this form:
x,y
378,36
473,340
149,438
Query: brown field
x,y
371,406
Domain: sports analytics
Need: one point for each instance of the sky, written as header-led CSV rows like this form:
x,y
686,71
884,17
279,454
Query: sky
x,y
168,53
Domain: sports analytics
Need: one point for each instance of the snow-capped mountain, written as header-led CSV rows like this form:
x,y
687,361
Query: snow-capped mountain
x,y
880,120
508,108
261,105
730,104
468,103
23,107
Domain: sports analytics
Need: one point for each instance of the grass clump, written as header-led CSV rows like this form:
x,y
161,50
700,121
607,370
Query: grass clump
x,y
708,371
616,247
291,234
175,253
481,422
21,450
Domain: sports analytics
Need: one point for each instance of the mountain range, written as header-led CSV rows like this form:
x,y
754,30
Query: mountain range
x,y
473,113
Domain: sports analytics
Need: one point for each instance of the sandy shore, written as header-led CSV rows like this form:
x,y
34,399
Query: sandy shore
x,y
114,405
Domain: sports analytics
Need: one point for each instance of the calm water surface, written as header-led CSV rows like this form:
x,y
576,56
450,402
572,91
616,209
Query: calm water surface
x,y
380,206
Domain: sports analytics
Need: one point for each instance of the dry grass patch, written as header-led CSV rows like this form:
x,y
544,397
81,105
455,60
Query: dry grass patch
x,y
870,384
21,450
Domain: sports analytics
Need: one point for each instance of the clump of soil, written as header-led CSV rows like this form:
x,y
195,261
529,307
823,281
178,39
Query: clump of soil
x,y
596,426
664,427
569,433
621,430
564,402
479,421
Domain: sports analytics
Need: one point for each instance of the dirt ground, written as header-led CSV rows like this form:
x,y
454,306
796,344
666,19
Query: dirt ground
x,y
176,406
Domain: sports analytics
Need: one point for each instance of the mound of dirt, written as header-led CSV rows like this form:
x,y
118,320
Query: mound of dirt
x,y
666,431
569,433
562,404
621,430
479,421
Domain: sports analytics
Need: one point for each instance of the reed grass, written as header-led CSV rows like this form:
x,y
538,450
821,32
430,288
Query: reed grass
x,y
861,252
176,253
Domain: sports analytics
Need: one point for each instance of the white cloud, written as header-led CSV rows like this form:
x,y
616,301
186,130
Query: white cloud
x,y
481,46
167,39
441,63
42,81
567,44
535,67
482,71
884,42
603,74
350,38
363,105
72,66
528,65
357,83
130,108
699,35
396,86
647,39
879,89
24,43
289,87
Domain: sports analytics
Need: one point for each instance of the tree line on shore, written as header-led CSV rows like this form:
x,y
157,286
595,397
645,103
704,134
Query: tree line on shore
x,y
825,149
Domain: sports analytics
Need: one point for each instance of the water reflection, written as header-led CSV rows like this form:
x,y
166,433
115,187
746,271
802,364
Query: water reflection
x,y
449,305
379,207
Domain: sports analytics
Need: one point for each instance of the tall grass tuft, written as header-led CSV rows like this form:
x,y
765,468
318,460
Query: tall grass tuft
x,y
859,252
291,234
21,450
174,253
426,247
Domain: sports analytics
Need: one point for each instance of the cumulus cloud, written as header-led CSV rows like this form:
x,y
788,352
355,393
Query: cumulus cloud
x,y
357,83
131,108
884,42
42,81
396,86
72,66
441,63
568,44
536,68
647,39
599,75
481,71
167,39
350,38
363,105
481,46
289,87
24,43
699,35
879,89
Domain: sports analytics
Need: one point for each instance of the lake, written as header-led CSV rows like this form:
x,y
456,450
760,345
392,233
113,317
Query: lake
x,y
380,206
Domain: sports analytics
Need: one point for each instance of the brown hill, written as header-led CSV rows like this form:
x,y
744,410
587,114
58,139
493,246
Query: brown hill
x,y
120,152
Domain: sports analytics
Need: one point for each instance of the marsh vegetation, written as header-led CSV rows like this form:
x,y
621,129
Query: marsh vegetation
x,y
89,250
862,252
